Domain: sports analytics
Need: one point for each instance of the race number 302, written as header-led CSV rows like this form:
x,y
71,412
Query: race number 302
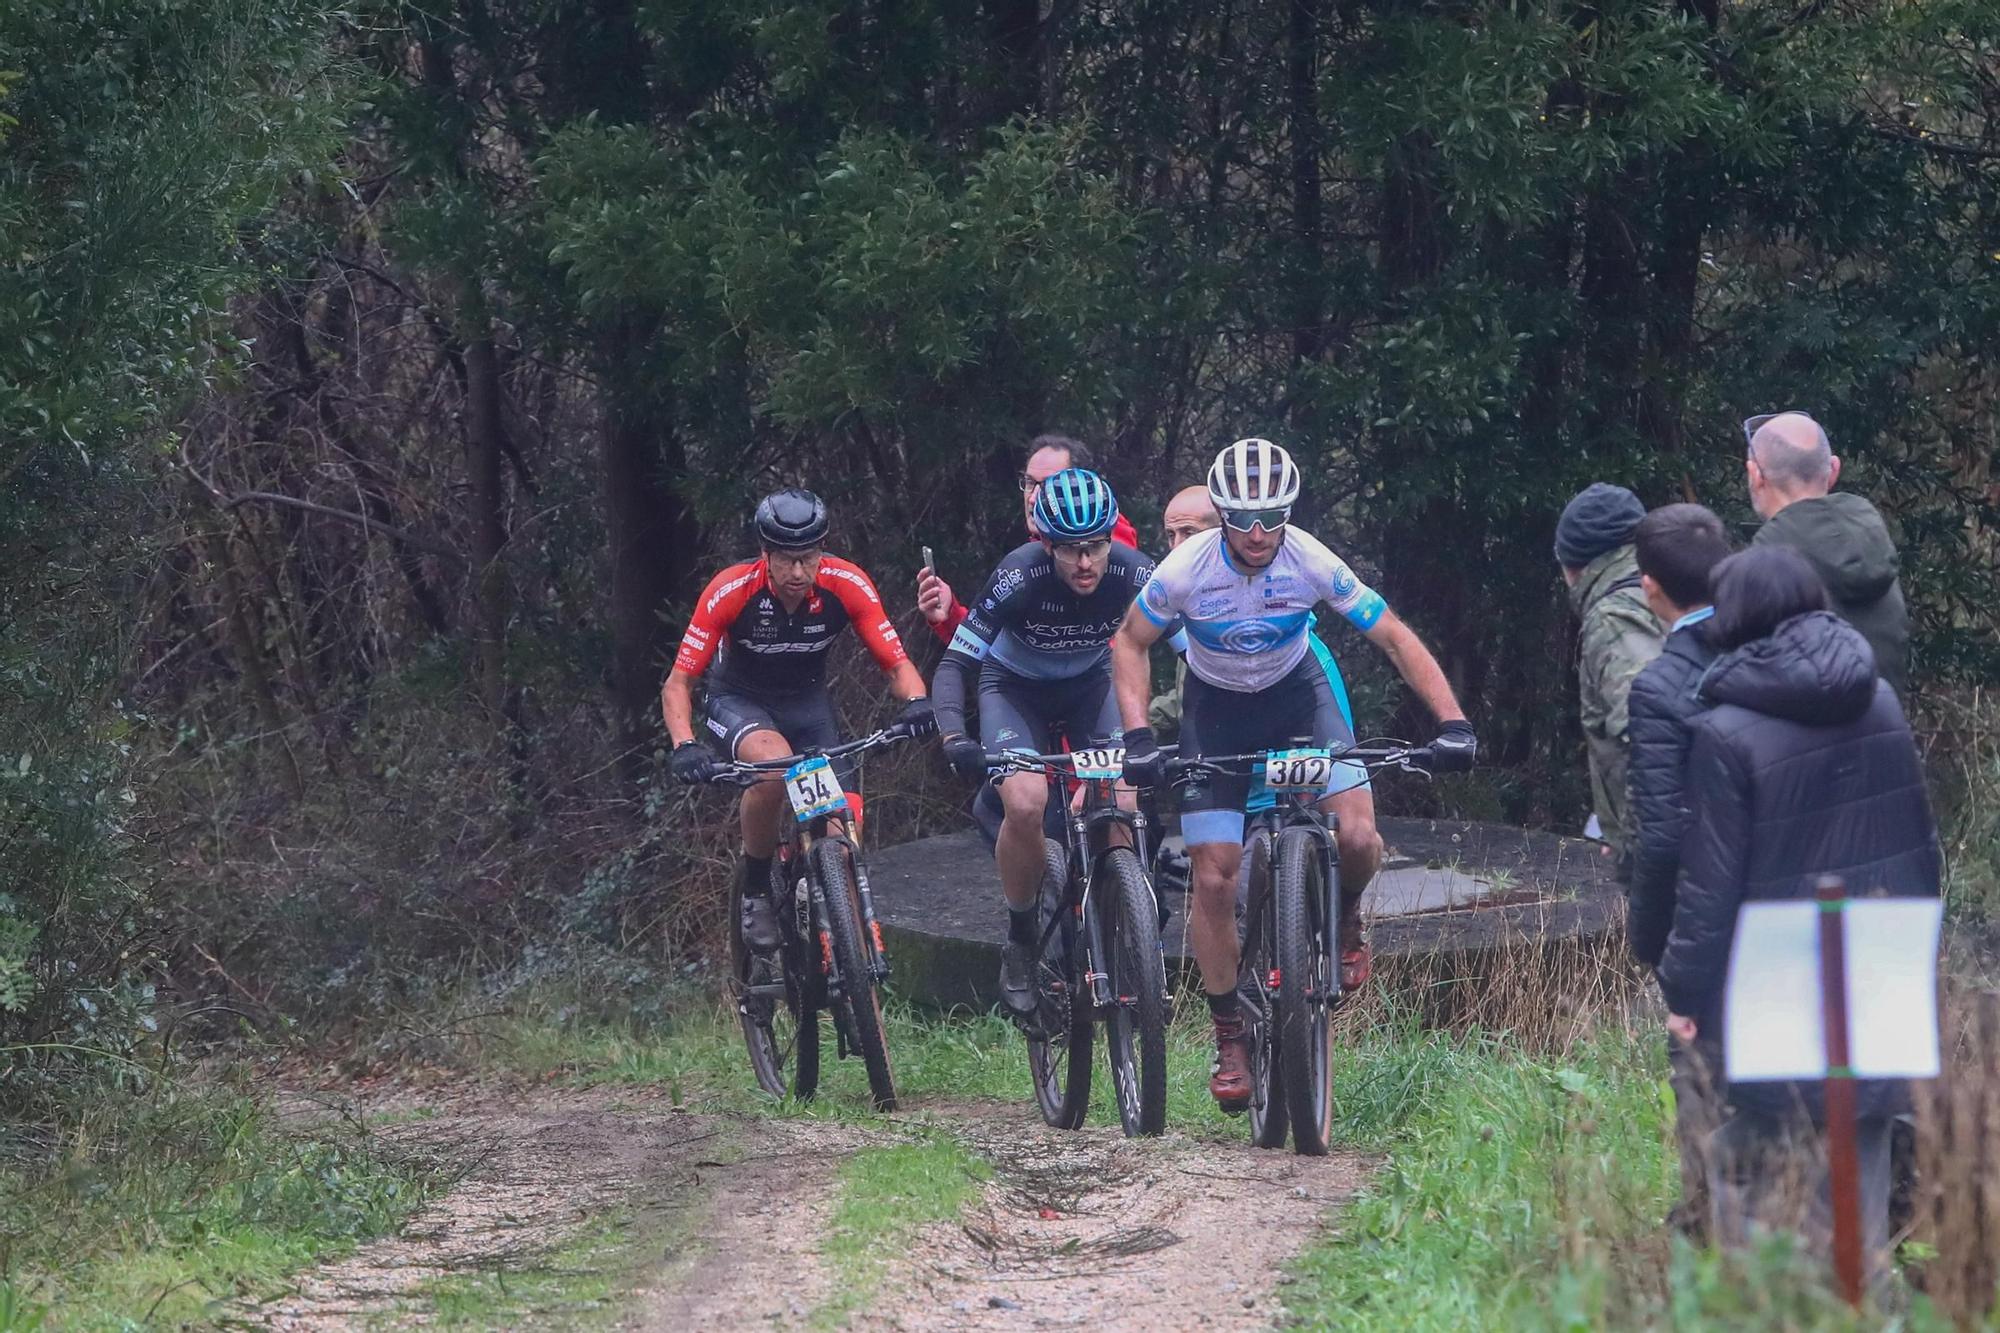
x,y
1297,770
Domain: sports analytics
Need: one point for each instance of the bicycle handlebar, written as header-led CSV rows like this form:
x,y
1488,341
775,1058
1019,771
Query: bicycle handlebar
x,y
746,772
1023,761
1374,758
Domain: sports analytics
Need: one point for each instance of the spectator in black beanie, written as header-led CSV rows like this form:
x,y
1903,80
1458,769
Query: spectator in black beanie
x,y
1619,635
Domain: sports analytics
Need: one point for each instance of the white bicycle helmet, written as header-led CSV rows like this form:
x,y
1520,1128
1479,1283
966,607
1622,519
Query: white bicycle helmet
x,y
1253,474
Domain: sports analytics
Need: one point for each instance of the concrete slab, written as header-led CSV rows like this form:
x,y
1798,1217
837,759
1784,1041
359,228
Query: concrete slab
x,y
1407,890
1446,887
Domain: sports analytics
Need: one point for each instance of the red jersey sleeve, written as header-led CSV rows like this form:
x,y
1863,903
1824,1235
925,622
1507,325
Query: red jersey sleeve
x,y
721,602
1123,531
954,616
856,592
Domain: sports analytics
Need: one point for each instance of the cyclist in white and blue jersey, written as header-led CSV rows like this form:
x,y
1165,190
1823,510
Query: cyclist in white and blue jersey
x,y
1348,796
1246,593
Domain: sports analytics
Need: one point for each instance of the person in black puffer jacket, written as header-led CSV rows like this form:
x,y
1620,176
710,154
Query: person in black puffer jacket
x,y
1804,766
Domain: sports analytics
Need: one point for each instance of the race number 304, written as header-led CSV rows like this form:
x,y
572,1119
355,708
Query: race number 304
x,y
814,789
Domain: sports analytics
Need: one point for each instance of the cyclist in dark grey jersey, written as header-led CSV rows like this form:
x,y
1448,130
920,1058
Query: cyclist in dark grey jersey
x,y
1039,639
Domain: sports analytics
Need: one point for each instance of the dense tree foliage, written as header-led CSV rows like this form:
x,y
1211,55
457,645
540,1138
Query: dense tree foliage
x,y
139,141
584,276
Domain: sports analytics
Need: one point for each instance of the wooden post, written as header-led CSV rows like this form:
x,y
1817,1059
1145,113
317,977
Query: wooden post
x,y
1843,1162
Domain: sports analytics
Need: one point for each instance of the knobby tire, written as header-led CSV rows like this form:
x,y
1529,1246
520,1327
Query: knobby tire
x,y
1136,1027
1308,981
859,1001
1269,1121
778,1032
1059,1058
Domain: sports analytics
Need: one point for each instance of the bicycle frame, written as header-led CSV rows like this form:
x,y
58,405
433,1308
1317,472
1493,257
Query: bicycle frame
x,y
1299,809
1087,828
797,845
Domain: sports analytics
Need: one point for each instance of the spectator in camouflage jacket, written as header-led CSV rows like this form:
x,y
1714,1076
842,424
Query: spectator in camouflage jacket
x,y
1619,635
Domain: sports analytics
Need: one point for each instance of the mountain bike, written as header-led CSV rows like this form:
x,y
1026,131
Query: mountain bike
x,y
1288,976
830,956
1098,956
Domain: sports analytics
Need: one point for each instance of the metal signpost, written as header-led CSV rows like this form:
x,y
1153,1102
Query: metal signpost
x,y
1835,990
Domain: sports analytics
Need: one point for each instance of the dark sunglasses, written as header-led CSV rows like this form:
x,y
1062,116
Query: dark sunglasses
x,y
1268,519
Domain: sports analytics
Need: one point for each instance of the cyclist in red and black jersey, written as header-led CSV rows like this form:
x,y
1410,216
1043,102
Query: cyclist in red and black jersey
x,y
765,626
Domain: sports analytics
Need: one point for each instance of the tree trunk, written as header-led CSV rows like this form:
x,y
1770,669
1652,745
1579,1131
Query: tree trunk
x,y
485,468
1308,279
652,538
244,643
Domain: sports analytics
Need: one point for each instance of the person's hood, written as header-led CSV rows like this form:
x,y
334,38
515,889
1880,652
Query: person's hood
x,y
1814,668
1846,541
1600,576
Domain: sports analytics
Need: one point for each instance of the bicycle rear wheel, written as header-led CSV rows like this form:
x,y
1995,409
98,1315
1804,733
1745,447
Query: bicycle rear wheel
x,y
1308,983
1059,1045
773,1004
858,1006
1269,1121
1136,1026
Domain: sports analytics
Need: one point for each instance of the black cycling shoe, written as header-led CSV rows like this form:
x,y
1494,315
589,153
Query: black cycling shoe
x,y
1017,989
759,924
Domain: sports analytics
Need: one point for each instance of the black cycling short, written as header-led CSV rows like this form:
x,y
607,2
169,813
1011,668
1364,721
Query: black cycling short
x,y
804,719
1299,709
1017,713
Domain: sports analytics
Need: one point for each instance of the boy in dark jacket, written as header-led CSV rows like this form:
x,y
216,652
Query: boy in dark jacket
x,y
1803,766
1678,546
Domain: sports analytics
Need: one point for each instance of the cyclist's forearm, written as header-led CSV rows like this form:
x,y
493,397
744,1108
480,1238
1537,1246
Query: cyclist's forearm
x,y
1418,668
948,695
677,707
1130,675
906,682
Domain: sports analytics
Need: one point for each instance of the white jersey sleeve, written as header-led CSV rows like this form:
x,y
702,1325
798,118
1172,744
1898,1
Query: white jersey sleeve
x,y
1336,584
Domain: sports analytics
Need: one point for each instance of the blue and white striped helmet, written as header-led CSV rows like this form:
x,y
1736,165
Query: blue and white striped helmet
x,y
1074,506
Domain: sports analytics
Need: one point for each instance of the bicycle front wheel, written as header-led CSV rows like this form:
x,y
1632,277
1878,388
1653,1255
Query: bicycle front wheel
x,y
773,997
1059,1044
858,1004
1307,987
1257,992
1136,1026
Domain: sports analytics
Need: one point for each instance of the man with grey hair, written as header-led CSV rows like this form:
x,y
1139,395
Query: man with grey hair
x,y
1792,470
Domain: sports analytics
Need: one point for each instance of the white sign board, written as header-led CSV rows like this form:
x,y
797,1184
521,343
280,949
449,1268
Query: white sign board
x,y
1771,1012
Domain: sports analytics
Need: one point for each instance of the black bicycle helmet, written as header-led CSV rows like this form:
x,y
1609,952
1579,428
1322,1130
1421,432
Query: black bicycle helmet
x,y
791,520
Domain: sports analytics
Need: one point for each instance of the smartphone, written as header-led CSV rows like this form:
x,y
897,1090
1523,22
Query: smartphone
x,y
930,561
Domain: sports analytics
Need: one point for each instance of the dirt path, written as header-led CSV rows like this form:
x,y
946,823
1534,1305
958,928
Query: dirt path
x,y
1095,1230
727,1213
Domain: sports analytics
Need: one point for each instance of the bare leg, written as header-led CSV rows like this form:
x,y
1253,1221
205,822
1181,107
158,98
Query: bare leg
x,y
764,804
1360,842
1018,850
1212,921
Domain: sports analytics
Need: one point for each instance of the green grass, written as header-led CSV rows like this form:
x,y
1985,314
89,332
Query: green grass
x,y
578,1284
697,1053
175,1209
1530,1192
886,1195
1499,1167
